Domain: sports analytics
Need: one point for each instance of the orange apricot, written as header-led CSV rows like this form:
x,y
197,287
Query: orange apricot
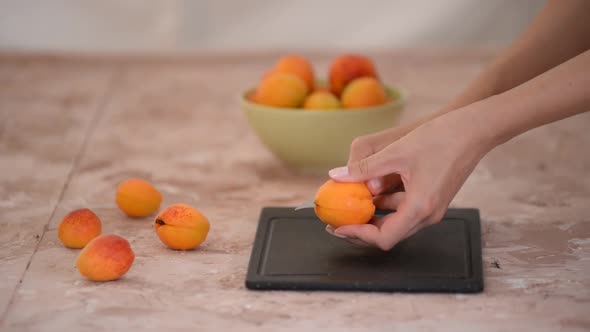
x,y
78,227
363,92
323,100
344,203
105,258
138,198
281,90
252,97
346,68
181,227
296,65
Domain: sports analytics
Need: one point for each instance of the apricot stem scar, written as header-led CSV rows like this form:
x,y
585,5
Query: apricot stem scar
x,y
160,222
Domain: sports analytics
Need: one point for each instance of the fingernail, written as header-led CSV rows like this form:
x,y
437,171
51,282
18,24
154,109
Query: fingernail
x,y
330,229
336,234
338,172
374,184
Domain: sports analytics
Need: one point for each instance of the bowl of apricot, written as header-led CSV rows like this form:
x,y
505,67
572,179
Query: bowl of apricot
x,y
310,124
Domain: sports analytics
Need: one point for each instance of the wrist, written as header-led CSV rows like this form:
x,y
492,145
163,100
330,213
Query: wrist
x,y
471,128
504,117
491,129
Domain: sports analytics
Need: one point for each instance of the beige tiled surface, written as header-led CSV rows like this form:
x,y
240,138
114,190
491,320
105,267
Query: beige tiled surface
x,y
45,113
72,128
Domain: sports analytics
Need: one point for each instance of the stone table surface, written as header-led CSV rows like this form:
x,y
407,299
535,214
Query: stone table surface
x,y
73,126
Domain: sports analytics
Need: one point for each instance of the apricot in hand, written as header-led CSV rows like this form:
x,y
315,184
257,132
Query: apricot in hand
x,y
138,198
105,258
79,227
344,203
181,227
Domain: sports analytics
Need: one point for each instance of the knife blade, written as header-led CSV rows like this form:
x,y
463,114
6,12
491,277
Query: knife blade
x,y
306,205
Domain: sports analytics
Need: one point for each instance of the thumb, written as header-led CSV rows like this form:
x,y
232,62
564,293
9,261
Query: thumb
x,y
373,166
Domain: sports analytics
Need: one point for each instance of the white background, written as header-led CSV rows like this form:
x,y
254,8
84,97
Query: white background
x,y
173,25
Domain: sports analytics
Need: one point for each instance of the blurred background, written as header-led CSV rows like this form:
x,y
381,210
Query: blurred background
x,y
184,25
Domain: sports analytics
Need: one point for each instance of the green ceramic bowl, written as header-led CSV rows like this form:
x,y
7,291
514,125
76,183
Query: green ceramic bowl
x,y
316,141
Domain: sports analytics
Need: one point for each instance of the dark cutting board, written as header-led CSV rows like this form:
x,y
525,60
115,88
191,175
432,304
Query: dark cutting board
x,y
292,251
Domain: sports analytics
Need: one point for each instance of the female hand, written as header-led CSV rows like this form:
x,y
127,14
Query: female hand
x,y
416,173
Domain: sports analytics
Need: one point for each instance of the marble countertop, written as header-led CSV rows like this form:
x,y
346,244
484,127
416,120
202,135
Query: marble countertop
x,y
72,127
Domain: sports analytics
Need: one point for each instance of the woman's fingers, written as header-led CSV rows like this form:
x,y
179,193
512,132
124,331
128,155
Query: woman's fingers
x,y
365,146
353,241
382,163
331,230
367,233
380,185
390,201
377,221
414,210
412,214
432,161
362,147
414,230
358,243
383,232
394,227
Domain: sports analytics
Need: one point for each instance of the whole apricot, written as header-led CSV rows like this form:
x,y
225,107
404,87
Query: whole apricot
x,y
281,90
321,100
107,257
363,92
181,227
296,65
78,227
138,198
346,68
344,203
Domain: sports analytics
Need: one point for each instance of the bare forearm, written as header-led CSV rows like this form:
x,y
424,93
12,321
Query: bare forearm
x,y
559,33
556,94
